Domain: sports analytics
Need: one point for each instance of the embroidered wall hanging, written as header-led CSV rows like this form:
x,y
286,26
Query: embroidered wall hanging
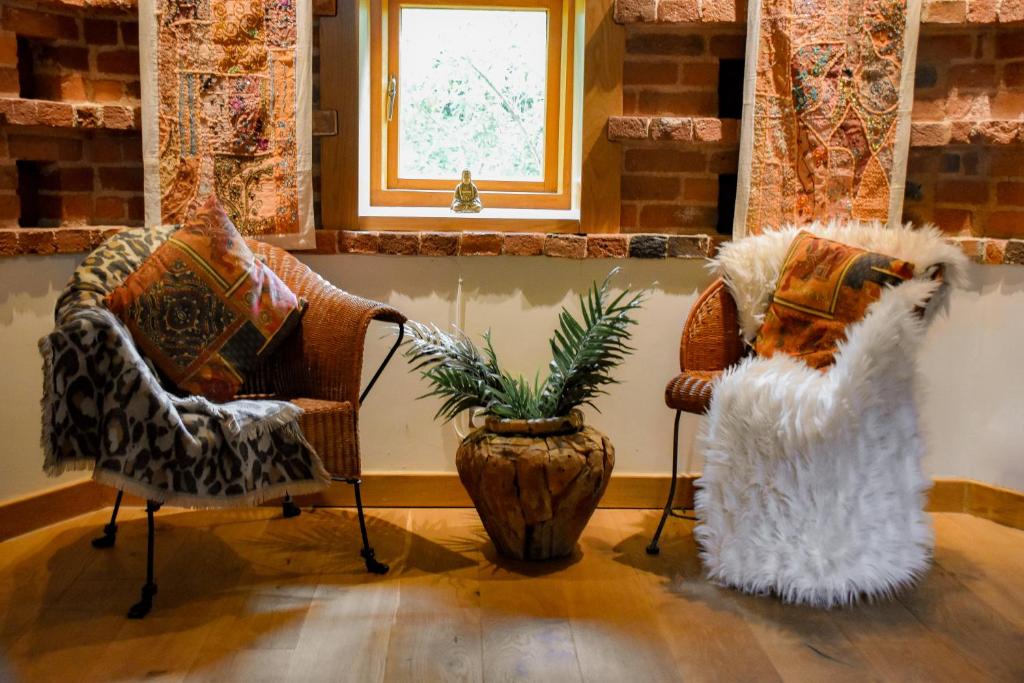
x,y
227,110
828,89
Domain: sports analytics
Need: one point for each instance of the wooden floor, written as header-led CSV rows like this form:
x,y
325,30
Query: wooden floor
x,y
246,596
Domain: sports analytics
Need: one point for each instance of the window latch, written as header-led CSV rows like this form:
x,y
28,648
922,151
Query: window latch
x,y
392,94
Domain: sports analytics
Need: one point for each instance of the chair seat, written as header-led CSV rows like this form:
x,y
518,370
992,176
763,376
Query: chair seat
x,y
690,391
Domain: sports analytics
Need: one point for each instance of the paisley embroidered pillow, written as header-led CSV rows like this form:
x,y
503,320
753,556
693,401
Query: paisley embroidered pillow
x,y
824,286
204,309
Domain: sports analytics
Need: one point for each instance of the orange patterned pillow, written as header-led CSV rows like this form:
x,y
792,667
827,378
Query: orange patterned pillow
x,y
203,308
823,287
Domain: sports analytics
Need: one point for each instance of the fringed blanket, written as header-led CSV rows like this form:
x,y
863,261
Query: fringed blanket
x,y
104,408
812,486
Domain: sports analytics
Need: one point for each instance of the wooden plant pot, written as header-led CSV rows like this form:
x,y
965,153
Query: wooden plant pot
x,y
535,483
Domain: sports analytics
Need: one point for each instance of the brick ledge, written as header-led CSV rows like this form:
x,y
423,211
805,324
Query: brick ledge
x,y
47,241
17,111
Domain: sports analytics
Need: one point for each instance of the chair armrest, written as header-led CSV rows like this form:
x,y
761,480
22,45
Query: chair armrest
x,y
333,336
711,336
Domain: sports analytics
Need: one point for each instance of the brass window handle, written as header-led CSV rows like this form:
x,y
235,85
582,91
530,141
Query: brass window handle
x,y
392,94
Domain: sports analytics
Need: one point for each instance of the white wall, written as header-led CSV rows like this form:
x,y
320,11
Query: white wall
x,y
973,411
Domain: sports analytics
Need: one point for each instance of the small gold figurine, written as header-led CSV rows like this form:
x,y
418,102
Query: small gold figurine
x,y
467,198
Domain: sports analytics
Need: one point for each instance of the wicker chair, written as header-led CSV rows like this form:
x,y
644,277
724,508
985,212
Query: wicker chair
x,y
319,368
710,344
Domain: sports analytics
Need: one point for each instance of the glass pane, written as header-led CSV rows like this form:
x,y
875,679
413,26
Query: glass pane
x,y
471,93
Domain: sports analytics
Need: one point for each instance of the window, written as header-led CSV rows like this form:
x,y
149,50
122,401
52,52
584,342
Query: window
x,y
483,85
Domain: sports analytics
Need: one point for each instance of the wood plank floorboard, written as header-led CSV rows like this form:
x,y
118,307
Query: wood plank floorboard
x,y
247,596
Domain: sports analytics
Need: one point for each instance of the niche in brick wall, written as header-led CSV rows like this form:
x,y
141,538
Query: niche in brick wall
x,y
730,88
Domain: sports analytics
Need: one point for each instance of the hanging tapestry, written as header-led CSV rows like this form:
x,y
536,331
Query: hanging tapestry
x,y
827,94
227,110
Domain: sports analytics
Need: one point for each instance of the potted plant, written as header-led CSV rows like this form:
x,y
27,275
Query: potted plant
x,y
534,471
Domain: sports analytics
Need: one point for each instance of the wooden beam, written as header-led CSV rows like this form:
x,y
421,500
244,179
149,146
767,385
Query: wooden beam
x,y
339,92
602,98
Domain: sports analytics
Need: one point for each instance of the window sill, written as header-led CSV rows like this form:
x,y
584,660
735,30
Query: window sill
x,y
443,219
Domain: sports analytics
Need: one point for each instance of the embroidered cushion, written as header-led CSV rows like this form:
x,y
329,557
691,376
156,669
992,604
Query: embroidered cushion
x,y
823,287
203,308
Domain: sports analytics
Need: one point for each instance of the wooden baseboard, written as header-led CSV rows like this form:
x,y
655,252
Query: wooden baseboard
x,y
443,489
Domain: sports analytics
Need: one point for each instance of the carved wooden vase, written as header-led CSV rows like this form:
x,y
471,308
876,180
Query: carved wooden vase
x,y
535,483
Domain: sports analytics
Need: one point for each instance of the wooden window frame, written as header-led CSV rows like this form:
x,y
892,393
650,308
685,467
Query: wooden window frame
x,y
600,159
552,192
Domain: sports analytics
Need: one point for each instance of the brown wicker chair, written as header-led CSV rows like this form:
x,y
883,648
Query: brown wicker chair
x,y
710,344
319,368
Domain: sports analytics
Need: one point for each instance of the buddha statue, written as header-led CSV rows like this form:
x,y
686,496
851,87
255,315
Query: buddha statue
x,y
467,197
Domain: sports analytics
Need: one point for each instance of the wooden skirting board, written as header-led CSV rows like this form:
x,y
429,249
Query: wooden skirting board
x,y
443,489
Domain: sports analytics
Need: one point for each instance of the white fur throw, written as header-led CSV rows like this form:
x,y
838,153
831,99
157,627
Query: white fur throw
x,y
812,486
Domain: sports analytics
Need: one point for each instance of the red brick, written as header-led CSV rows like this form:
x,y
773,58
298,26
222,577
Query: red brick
x,y
104,90
650,187
1011,11
100,31
55,114
9,81
972,76
480,243
715,130
78,179
136,209
1009,45
700,74
26,22
399,243
954,221
72,240
995,252
649,73
944,12
678,11
661,216
10,208
723,11
929,133
728,46
664,160
118,118
943,47
523,244
627,128
981,11
1006,162
130,32
9,238
607,246
628,11
678,103
109,209
326,242
8,177
701,190
127,178
1010,193
37,242
439,243
358,242
1005,224
71,86
689,246
131,148
725,161
565,246
971,247
8,48
44,148
118,62
672,128
962,192
664,44
64,56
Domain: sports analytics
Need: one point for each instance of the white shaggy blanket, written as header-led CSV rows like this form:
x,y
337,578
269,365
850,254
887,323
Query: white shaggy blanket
x,y
812,486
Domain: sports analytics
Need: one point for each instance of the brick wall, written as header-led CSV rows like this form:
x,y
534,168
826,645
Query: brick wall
x,y
966,169
69,96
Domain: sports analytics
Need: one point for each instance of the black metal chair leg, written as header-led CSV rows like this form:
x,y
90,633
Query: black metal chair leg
x,y
373,565
288,508
109,536
142,607
653,549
